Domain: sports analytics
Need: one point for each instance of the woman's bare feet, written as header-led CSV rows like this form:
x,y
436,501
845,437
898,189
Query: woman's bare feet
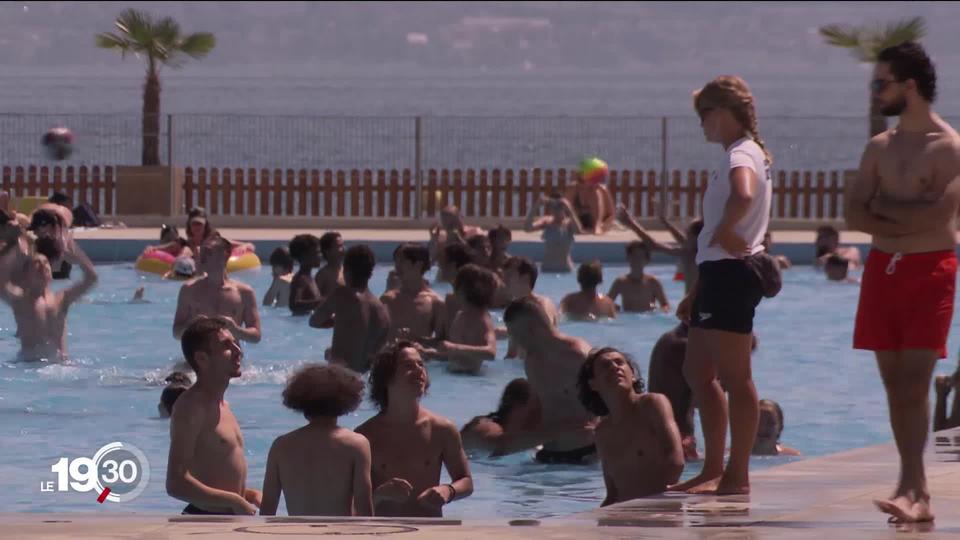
x,y
907,508
699,484
733,488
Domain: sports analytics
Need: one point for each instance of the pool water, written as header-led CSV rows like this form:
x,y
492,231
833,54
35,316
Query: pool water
x,y
831,395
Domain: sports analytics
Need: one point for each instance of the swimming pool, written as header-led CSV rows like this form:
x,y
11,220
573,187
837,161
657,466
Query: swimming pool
x,y
831,395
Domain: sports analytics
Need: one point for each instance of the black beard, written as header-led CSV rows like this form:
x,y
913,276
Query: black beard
x,y
894,109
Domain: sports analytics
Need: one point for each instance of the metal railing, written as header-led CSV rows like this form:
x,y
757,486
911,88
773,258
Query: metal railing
x,y
307,145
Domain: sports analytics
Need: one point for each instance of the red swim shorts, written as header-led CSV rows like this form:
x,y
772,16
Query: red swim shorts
x,y
906,301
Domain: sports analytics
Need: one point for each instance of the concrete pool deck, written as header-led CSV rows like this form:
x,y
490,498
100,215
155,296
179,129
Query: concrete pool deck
x,y
124,245
822,498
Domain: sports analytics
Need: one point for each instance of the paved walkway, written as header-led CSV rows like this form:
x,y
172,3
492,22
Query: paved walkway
x,y
824,499
112,245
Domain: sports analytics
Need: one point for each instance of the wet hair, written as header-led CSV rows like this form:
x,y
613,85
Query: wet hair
x,y
590,274
358,264
49,247
60,198
177,377
528,306
301,245
777,413
827,231
908,61
323,390
457,254
590,399
328,241
524,267
836,260
516,394
43,217
281,257
499,232
415,253
732,93
383,370
478,285
166,229
638,245
170,394
198,338
478,243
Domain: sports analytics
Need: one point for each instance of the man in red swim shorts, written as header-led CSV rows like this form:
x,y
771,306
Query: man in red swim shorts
x,y
906,196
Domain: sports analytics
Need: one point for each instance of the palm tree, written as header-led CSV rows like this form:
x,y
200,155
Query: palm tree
x,y
161,43
866,42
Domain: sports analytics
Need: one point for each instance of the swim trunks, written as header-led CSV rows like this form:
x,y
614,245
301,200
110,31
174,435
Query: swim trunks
x,y
906,301
577,456
191,510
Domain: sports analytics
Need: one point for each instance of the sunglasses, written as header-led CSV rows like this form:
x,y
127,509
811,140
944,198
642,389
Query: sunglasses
x,y
879,85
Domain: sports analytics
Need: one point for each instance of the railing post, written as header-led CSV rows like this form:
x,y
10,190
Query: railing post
x,y
664,175
417,171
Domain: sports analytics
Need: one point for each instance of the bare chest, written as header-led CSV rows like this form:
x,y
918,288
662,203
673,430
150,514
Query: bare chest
x,y
908,171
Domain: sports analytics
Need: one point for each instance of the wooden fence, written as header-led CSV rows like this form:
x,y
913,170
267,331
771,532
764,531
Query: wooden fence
x,y
493,193
479,193
94,185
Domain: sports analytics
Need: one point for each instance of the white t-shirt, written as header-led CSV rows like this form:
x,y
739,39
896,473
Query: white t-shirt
x,y
753,226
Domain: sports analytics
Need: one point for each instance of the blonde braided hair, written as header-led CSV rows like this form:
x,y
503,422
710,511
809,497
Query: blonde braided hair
x,y
732,93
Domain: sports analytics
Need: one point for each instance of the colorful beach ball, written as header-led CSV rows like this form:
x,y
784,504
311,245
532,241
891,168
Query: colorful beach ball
x,y
58,143
594,170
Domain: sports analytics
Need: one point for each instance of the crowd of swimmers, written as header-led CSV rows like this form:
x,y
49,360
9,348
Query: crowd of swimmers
x,y
577,403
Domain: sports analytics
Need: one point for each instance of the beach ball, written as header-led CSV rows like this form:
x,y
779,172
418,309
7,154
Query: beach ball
x,y
58,143
594,170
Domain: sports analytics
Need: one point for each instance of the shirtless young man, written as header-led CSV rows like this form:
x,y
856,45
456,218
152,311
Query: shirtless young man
x,y
588,304
520,277
552,363
638,440
906,196
304,292
685,248
666,378
41,313
450,230
472,338
641,291
206,466
330,276
281,268
416,311
216,295
338,484
827,244
361,322
409,443
500,239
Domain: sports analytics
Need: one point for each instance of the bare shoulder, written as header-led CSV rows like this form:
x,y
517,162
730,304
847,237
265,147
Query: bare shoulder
x,y
189,408
879,141
656,402
582,346
442,424
389,296
370,427
354,440
241,287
